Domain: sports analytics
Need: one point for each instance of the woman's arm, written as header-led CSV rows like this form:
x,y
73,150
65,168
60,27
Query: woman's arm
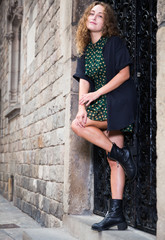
x,y
115,82
81,117
83,89
120,78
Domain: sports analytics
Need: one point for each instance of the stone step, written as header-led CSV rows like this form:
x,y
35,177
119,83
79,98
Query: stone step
x,y
47,234
80,228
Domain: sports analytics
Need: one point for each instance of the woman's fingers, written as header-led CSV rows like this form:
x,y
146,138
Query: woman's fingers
x,y
85,119
82,101
88,103
85,99
81,120
88,98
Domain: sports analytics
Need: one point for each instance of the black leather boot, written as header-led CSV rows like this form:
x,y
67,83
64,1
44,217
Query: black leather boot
x,y
114,217
123,156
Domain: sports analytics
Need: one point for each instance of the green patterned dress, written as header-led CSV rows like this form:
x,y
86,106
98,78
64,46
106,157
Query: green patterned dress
x,y
95,68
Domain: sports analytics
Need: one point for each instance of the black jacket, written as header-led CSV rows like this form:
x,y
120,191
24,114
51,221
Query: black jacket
x,y
121,102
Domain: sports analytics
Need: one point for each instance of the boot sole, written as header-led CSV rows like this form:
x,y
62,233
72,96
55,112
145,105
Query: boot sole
x,y
121,226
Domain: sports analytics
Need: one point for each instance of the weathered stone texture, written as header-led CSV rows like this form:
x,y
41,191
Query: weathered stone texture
x,y
160,132
77,160
160,119
37,146
33,144
160,12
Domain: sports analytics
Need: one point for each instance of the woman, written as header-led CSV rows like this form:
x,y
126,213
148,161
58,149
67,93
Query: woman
x,y
107,100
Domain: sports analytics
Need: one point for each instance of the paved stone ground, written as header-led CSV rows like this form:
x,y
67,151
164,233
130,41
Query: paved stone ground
x,y
10,214
16,225
80,226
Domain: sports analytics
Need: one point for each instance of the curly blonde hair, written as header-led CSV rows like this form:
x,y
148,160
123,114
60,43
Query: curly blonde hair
x,y
83,34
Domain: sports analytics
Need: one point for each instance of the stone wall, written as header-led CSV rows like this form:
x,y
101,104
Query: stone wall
x,y
4,147
33,142
78,175
44,167
39,179
160,119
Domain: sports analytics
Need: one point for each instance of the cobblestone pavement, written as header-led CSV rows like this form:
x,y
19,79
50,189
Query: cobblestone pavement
x,y
13,221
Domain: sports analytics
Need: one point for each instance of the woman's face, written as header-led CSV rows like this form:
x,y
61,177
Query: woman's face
x,y
95,20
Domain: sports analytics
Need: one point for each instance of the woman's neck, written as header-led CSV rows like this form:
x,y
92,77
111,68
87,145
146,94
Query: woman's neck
x,y
95,36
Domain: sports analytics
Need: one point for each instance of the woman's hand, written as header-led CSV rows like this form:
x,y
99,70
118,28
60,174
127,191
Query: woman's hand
x,y
88,98
81,117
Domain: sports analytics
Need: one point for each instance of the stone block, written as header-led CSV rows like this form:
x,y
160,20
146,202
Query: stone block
x,y
40,201
43,219
59,119
78,168
52,222
56,209
40,171
49,189
59,85
25,169
51,46
36,214
31,45
55,191
19,169
1,175
40,114
27,208
32,185
18,191
74,83
24,195
42,154
46,204
54,155
56,173
47,124
41,187
46,174
160,12
57,55
51,2
17,202
30,198
42,84
36,200
33,171
32,157
160,129
57,137
56,105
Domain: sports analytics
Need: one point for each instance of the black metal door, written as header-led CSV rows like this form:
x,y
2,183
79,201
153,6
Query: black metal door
x,y
137,21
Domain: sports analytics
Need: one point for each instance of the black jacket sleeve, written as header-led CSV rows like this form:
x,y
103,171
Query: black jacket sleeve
x,y
122,57
80,72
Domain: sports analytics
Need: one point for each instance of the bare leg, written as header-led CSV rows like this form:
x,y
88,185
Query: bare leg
x,y
117,172
93,134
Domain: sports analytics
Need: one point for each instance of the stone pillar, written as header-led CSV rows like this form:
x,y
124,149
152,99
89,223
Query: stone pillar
x,y
77,165
161,120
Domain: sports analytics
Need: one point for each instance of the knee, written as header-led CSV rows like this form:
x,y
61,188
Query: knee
x,y
75,128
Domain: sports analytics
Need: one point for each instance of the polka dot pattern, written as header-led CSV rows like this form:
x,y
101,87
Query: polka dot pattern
x,y
95,68
128,129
